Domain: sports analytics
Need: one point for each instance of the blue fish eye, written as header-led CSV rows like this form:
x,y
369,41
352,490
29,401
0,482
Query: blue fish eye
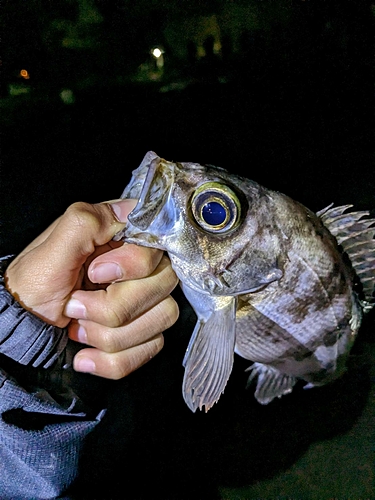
x,y
215,207
214,213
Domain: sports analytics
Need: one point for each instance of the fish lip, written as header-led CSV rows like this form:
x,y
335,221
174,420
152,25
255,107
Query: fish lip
x,y
142,238
145,190
134,187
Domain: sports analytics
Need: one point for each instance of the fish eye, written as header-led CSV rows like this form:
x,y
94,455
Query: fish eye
x,y
215,207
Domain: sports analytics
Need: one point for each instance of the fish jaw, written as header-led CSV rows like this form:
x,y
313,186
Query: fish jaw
x,y
154,194
155,216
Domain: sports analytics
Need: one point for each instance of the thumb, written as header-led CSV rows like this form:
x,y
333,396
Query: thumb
x,y
81,229
84,227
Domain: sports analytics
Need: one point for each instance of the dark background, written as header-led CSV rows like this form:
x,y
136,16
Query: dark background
x,y
288,104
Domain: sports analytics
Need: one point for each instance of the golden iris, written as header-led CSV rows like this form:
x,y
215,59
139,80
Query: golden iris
x,y
215,207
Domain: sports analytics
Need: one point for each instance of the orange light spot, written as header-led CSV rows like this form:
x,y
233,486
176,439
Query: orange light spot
x,y
25,74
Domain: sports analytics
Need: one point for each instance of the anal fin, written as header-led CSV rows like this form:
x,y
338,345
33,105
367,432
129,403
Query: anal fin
x,y
209,358
271,383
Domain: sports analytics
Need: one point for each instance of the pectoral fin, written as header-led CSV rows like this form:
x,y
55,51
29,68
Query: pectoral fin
x,y
209,358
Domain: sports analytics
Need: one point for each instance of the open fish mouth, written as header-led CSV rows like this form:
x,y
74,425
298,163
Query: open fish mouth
x,y
150,198
154,214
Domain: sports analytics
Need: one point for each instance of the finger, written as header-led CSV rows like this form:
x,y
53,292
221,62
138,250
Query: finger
x,y
120,303
41,238
111,340
120,364
125,263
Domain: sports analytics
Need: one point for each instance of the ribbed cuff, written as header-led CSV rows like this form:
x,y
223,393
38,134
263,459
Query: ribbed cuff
x,y
24,337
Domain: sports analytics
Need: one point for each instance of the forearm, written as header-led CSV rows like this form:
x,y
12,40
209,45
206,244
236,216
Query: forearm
x,y
42,422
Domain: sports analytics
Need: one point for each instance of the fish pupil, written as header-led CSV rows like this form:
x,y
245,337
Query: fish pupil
x,y
214,213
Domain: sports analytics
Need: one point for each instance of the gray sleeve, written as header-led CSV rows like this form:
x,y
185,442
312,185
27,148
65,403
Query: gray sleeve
x,y
43,423
23,336
40,443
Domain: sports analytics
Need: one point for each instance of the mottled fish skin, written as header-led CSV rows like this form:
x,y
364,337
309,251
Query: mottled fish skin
x,y
274,288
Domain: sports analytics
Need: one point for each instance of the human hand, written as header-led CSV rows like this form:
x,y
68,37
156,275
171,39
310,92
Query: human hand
x,y
111,296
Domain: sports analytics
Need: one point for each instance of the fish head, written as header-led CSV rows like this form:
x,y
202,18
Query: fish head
x,y
208,221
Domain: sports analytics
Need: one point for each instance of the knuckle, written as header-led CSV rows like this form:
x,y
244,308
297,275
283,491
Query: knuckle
x,y
158,342
113,319
108,341
81,215
148,350
140,260
164,284
170,279
122,364
169,311
119,367
146,266
77,211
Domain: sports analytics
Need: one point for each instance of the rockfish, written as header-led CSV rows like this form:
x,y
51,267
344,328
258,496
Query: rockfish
x,y
267,278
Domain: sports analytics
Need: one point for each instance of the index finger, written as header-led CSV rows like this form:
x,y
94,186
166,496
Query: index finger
x,y
127,262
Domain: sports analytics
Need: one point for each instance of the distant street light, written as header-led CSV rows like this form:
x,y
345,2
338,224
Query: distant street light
x,y
157,52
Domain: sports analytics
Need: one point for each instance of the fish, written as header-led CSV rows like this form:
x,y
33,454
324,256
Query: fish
x,y
268,279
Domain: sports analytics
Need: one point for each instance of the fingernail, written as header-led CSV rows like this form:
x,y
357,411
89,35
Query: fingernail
x,y
75,309
85,365
105,273
116,208
122,208
81,335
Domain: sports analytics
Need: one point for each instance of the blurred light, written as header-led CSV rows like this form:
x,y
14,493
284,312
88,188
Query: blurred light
x,y
200,52
157,52
18,89
25,74
217,47
67,96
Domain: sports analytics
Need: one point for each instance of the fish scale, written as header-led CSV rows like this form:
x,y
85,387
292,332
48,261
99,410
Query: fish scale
x,y
261,339
267,278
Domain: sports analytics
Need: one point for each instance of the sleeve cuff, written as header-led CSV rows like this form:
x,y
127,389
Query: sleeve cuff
x,y
25,337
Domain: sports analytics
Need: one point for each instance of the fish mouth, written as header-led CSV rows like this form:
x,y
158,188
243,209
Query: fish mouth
x,y
155,213
149,203
154,194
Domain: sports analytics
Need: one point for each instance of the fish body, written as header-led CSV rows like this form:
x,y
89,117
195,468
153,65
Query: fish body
x,y
266,276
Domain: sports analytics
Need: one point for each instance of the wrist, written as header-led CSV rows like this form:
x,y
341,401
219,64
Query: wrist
x,y
24,337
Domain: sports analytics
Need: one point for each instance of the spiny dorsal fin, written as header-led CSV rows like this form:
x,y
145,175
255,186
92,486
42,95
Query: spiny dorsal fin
x,y
356,236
